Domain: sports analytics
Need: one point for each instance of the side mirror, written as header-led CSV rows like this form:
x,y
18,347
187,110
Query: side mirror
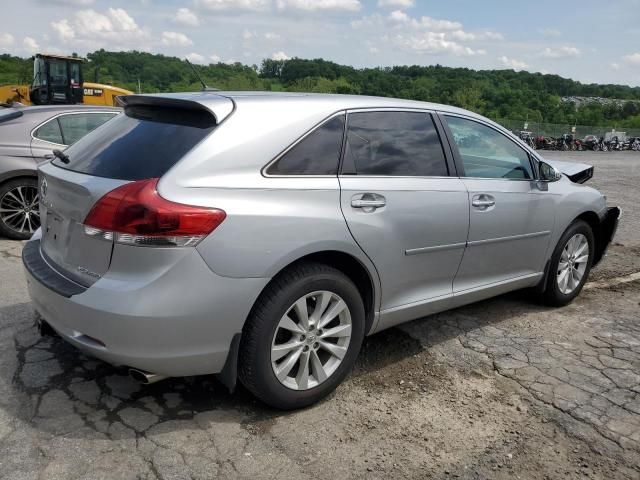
x,y
549,173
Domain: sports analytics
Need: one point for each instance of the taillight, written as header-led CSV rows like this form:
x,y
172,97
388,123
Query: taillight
x,y
136,214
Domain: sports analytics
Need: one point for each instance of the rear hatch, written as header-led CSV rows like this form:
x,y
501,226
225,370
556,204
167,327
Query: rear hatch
x,y
145,142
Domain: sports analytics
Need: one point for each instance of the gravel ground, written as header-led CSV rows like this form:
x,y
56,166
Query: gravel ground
x,y
500,389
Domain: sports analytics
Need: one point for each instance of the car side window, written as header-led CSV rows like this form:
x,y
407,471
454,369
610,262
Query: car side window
x,y
50,132
393,144
316,154
77,125
486,153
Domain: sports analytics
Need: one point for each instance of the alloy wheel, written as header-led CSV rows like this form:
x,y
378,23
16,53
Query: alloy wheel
x,y
19,209
573,263
311,340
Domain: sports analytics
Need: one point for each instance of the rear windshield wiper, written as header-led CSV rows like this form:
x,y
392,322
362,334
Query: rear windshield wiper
x,y
62,156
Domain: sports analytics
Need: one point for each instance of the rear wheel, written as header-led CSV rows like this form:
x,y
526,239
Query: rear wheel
x,y
302,336
570,264
19,210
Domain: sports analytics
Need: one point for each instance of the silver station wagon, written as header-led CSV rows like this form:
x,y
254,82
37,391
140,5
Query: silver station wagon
x,y
261,236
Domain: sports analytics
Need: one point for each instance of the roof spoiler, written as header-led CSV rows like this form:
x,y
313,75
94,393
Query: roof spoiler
x,y
218,106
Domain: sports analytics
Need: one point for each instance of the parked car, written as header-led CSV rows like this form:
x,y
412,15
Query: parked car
x,y
262,236
27,137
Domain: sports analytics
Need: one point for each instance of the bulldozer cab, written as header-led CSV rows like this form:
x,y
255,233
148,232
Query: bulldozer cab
x,y
56,79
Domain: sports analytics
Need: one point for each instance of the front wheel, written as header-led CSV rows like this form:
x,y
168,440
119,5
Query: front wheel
x,y
302,337
570,264
19,209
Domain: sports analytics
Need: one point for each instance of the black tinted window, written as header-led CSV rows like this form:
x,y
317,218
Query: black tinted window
x,y
143,143
316,154
393,144
50,132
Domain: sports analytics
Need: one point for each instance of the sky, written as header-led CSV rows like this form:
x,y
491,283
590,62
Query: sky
x,y
583,40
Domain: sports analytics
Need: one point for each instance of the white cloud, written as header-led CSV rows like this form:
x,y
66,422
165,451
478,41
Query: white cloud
x,y
550,32
513,63
175,39
434,43
72,2
633,59
30,45
63,29
215,58
6,40
425,35
195,58
248,35
313,5
396,3
560,52
219,5
280,56
186,17
271,36
489,35
92,29
615,66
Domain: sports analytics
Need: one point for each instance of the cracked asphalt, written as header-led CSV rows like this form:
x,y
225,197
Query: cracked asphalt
x,y
504,388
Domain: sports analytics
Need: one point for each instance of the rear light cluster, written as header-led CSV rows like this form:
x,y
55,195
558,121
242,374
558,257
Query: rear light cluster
x,y
135,214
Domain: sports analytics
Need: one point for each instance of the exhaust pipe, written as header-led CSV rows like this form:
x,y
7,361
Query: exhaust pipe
x,y
145,378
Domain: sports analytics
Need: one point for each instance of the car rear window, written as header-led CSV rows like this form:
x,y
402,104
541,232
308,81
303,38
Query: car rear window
x,y
145,142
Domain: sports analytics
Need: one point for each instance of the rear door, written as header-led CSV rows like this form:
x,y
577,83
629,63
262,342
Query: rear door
x,y
404,209
511,219
141,144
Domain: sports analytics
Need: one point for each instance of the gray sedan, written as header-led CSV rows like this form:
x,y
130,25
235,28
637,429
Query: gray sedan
x,y
27,137
261,236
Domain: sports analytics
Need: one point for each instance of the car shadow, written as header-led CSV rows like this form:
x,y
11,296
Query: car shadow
x,y
63,391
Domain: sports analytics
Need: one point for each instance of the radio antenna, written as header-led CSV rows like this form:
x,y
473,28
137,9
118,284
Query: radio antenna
x,y
205,87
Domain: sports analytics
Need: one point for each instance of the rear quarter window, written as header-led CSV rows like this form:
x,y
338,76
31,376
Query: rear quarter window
x,y
142,143
316,154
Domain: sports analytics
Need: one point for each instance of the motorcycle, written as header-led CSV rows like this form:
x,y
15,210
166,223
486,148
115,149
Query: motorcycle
x,y
527,137
615,144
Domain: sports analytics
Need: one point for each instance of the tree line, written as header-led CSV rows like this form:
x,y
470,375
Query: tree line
x,y
494,93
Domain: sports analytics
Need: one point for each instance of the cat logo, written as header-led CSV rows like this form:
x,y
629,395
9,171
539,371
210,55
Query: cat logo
x,y
93,92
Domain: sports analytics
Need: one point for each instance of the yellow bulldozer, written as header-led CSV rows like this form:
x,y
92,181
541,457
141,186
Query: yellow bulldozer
x,y
59,80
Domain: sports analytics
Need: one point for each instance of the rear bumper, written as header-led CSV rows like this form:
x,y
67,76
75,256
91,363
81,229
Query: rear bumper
x,y
177,320
608,227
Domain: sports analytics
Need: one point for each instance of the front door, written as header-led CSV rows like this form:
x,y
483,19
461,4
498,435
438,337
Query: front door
x,y
403,209
510,217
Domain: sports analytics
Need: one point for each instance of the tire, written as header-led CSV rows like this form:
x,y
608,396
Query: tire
x,y
15,195
553,293
262,331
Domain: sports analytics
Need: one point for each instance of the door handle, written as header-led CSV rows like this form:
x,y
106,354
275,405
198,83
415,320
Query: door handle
x,y
368,201
483,201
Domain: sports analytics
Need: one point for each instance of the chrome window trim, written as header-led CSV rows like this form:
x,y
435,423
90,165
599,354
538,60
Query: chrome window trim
x,y
263,170
509,136
62,114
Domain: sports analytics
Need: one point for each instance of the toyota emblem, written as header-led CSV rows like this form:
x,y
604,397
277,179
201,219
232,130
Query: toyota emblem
x,y
43,188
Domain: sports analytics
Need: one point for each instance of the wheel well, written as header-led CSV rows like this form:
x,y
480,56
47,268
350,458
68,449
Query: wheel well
x,y
593,221
17,177
353,269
